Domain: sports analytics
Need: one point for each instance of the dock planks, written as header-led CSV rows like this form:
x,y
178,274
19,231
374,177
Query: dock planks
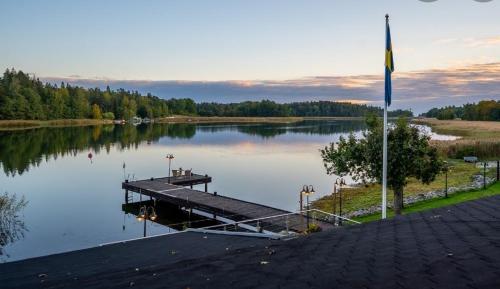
x,y
231,208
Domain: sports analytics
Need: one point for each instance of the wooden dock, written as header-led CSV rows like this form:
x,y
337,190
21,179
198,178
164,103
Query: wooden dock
x,y
172,190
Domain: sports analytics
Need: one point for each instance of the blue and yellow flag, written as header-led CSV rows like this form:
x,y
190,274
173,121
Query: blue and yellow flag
x,y
389,64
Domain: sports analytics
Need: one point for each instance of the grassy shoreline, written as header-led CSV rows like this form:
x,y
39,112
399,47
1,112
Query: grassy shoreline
x,y
463,128
456,198
478,138
28,124
362,197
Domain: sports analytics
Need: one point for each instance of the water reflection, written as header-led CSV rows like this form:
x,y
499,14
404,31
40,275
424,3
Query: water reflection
x,y
12,226
272,130
22,149
169,215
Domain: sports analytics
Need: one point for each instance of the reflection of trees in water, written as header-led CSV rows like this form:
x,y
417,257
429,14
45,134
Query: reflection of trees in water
x,y
21,149
275,129
12,227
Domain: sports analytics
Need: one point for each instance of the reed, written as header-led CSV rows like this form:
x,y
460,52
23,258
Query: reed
x,y
457,149
478,138
25,124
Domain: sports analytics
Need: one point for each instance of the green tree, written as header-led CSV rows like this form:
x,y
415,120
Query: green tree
x,y
78,103
35,110
409,156
445,114
96,112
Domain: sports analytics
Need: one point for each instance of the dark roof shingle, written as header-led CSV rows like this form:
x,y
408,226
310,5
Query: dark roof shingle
x,y
452,247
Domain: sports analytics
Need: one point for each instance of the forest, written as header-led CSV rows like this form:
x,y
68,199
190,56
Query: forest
x,y
488,110
23,97
303,109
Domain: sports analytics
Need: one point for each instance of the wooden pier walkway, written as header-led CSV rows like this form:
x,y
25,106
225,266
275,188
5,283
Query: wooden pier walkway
x,y
172,191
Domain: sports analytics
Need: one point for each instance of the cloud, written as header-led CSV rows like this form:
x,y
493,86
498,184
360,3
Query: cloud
x,y
483,42
417,90
471,42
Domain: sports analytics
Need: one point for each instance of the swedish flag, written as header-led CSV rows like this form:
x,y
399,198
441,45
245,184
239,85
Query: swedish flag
x,y
389,63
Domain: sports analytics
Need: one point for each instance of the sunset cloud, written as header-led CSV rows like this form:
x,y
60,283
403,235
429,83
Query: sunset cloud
x,y
417,90
471,42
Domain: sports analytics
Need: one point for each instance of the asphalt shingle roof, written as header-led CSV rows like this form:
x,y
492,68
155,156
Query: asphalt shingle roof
x,y
452,247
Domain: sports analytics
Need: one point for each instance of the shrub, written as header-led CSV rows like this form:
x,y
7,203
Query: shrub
x,y
313,228
108,115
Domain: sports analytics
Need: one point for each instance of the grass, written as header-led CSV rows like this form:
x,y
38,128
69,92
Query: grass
x,y
356,198
25,124
440,202
466,129
478,138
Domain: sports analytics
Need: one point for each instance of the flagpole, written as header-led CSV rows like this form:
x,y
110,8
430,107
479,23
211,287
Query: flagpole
x,y
384,167
384,161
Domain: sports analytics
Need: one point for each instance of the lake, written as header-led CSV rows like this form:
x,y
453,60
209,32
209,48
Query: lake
x,y
71,177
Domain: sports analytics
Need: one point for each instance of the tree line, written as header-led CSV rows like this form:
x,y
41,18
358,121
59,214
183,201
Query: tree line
x,y
25,97
269,108
488,110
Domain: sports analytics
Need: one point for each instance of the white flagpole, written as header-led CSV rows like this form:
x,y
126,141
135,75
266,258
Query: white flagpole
x,y
384,161
384,167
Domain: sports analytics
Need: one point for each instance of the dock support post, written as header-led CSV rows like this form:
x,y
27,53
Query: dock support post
x,y
191,186
190,212
126,196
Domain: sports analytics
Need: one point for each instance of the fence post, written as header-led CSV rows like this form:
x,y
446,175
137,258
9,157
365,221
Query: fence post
x,y
484,174
498,170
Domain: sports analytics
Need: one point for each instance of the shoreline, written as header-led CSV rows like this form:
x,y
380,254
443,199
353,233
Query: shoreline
x,y
22,124
463,128
478,138
30,124
467,129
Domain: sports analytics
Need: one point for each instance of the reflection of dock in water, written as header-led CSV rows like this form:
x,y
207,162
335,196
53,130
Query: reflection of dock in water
x,y
172,191
170,216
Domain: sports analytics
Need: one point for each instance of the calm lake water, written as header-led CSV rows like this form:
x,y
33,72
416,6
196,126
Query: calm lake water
x,y
74,202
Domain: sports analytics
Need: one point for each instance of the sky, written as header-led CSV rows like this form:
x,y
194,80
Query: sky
x,y
247,50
